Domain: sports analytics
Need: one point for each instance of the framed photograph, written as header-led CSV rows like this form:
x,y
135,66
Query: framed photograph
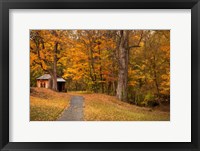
x,y
99,75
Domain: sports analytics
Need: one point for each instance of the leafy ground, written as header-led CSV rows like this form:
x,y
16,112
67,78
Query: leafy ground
x,y
101,107
47,105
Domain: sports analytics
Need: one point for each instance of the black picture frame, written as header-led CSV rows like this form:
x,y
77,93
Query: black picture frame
x,y
5,5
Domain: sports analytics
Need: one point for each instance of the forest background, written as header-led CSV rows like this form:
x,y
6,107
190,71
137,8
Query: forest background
x,y
133,65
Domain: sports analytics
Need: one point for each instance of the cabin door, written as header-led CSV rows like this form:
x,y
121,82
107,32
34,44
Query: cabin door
x,y
59,86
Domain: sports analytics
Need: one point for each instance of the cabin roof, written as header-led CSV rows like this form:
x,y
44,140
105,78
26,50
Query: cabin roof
x,y
60,80
44,77
48,76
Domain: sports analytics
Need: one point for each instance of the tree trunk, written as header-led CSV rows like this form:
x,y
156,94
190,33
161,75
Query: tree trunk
x,y
123,66
92,70
100,70
54,78
108,87
155,75
113,89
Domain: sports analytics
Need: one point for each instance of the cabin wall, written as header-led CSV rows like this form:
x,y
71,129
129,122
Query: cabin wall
x,y
43,83
63,86
38,83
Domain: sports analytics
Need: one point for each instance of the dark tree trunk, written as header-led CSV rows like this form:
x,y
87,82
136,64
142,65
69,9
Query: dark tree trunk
x,y
100,70
54,78
123,66
76,85
155,75
92,71
108,87
114,89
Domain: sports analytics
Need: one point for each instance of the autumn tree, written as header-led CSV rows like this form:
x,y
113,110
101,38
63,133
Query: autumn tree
x,y
123,54
46,50
149,68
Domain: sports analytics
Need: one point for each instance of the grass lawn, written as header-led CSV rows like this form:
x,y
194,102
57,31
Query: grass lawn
x,y
47,105
101,107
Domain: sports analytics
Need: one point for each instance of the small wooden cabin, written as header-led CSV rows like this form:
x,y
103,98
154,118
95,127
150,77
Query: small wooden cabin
x,y
45,81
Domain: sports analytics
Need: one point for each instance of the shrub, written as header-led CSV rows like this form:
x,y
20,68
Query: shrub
x,y
150,100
